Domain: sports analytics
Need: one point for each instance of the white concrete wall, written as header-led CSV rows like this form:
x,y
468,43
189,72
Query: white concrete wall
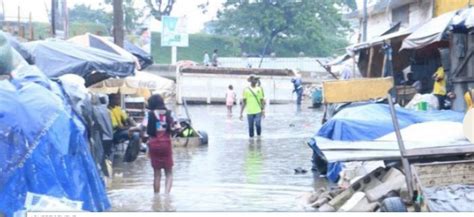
x,y
421,12
303,64
212,88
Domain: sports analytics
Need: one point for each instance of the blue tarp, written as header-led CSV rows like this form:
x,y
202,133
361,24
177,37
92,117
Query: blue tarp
x,y
369,122
44,149
56,58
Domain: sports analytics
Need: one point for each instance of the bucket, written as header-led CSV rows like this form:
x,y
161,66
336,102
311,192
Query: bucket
x,y
422,106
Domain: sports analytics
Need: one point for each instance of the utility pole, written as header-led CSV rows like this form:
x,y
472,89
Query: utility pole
x,y
364,22
53,17
118,22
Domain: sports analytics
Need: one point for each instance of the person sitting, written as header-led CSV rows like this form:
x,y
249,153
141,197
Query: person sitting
x,y
123,127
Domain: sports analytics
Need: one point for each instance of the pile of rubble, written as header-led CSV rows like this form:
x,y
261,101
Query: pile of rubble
x,y
364,194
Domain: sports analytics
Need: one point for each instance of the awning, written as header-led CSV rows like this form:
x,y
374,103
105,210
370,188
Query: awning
x,y
379,40
134,84
429,33
102,43
56,58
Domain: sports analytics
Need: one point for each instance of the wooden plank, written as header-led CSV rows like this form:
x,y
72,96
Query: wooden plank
x,y
371,57
463,80
356,89
410,153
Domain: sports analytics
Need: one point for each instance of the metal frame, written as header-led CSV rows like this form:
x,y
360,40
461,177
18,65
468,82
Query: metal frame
x,y
415,153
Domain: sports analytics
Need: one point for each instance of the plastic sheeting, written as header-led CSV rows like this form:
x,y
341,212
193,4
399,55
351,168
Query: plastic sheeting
x,y
451,198
369,122
44,149
95,41
20,49
429,33
144,58
56,58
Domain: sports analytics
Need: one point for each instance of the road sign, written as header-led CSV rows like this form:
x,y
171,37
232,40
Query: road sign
x,y
174,32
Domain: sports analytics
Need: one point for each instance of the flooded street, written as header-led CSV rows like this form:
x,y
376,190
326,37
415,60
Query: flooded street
x,y
232,173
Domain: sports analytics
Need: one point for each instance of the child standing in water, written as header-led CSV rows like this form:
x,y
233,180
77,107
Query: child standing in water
x,y
230,97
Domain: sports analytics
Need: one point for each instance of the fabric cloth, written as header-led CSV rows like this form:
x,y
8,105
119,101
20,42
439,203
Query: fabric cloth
x,y
161,153
253,102
118,117
230,98
439,87
255,122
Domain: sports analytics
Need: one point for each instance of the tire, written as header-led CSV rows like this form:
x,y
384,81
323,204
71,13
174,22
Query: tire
x,y
133,149
204,138
393,204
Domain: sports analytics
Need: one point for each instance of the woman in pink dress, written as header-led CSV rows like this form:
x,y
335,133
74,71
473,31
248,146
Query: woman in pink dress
x,y
230,100
159,128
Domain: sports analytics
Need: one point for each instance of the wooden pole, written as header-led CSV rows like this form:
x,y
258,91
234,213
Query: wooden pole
x,y
371,57
53,18
31,28
18,22
118,22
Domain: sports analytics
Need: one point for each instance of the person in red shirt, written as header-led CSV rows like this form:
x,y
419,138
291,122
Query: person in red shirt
x,y
159,128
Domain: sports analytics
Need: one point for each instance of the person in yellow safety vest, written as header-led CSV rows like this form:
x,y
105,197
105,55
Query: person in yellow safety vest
x,y
469,100
188,132
439,87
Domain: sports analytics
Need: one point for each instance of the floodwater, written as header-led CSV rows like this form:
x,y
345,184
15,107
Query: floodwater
x,y
232,173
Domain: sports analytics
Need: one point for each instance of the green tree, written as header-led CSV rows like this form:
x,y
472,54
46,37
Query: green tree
x,y
159,8
131,14
287,27
85,14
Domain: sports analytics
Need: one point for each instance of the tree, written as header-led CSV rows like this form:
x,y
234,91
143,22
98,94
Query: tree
x,y
285,26
86,14
159,9
131,14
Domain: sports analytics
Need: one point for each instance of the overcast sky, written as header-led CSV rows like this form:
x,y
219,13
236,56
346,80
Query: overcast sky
x,y
188,8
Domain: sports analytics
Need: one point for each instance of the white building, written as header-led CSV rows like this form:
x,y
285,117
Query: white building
x,y
386,16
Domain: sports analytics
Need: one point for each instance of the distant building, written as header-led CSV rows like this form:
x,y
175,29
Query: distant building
x,y
387,16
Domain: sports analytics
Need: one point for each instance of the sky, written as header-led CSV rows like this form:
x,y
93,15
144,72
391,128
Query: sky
x,y
38,8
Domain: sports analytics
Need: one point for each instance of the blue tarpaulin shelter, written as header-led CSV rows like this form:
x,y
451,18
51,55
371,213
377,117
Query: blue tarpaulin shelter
x,y
369,122
44,148
56,58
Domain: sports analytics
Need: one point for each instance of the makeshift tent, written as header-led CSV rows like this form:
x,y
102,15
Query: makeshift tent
x,y
18,46
134,84
56,58
43,149
102,43
369,122
429,33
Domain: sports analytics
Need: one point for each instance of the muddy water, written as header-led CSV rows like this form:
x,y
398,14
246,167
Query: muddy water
x,y
233,173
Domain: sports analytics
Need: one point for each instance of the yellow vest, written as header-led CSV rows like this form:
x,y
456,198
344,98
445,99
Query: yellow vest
x,y
439,87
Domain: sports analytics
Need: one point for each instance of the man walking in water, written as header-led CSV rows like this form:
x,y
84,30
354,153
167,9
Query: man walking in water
x,y
254,104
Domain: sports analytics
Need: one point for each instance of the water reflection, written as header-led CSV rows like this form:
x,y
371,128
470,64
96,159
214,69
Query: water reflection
x,y
233,173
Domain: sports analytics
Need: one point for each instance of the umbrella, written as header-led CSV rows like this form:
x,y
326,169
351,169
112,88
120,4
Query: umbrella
x,y
56,58
18,46
102,43
134,84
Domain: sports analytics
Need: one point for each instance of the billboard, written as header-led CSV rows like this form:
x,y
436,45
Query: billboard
x,y
174,32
